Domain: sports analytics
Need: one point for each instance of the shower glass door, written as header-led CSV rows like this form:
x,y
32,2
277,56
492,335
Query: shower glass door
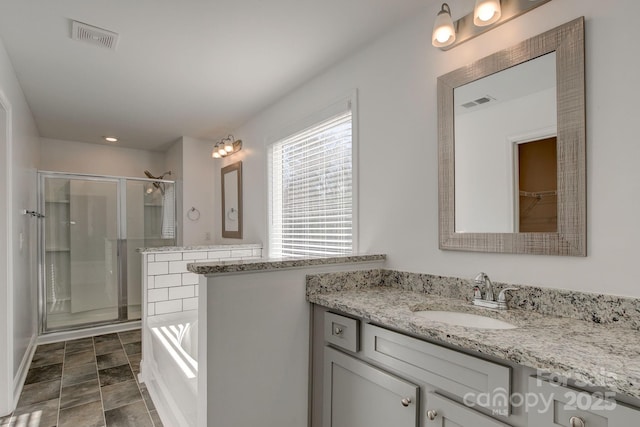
x,y
81,268
93,226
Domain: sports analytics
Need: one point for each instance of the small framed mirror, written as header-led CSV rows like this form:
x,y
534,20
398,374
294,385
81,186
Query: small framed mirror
x,y
511,147
231,178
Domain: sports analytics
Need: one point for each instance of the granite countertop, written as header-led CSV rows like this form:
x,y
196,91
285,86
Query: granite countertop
x,y
594,354
266,264
199,248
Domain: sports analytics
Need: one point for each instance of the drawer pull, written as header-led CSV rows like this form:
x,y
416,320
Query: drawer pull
x,y
338,330
432,415
576,422
406,401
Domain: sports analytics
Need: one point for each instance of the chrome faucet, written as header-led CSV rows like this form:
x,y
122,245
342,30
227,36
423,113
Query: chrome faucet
x,y
483,279
489,300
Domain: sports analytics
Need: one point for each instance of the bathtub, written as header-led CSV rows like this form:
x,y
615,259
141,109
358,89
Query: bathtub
x,y
170,366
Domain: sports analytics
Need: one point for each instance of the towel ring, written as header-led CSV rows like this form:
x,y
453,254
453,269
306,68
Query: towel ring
x,y
193,214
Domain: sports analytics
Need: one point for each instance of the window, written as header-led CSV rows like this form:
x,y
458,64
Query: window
x,y
311,195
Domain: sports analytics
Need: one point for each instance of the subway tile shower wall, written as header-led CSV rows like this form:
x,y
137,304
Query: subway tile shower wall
x,y
170,288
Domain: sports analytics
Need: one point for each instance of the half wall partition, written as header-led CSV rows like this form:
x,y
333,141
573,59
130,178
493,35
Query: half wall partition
x,y
90,269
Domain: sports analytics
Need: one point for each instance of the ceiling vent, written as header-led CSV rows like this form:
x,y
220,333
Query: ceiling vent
x,y
478,101
94,35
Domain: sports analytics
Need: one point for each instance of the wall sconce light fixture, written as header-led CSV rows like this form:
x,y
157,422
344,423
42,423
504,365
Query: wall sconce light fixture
x,y
226,147
444,33
486,14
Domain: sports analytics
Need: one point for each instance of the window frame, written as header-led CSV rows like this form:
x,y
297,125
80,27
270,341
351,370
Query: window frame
x,y
344,103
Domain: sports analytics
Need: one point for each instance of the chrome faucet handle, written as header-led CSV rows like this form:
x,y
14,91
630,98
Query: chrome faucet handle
x,y
502,298
483,279
477,294
501,295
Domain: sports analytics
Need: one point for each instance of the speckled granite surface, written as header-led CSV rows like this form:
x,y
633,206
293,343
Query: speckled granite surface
x,y
597,308
199,248
265,264
601,355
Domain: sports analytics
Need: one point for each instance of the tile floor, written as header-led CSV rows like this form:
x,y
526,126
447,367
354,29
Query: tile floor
x,y
88,382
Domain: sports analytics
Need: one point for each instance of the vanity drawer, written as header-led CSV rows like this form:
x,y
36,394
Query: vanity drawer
x,y
341,331
477,381
554,405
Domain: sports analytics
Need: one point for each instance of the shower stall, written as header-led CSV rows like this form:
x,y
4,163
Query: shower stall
x,y
90,270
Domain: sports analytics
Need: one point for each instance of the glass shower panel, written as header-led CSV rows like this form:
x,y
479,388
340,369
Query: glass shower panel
x,y
150,220
81,248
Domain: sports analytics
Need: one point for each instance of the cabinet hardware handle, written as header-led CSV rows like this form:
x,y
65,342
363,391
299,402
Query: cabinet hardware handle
x,y
432,415
406,401
337,330
576,422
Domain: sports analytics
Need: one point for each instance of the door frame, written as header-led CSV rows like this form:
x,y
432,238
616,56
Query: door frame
x,y
7,398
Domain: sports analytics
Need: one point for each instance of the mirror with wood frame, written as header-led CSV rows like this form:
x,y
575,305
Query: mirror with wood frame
x,y
231,178
511,147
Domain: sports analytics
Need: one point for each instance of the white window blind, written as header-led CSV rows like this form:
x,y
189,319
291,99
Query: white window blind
x,y
311,190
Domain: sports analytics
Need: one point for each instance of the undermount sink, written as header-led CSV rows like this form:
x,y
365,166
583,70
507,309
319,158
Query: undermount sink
x,y
467,320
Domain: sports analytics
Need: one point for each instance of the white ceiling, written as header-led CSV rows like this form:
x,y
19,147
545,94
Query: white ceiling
x,y
197,68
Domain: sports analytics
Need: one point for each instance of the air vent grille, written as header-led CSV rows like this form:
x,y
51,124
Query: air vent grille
x,y
478,101
94,35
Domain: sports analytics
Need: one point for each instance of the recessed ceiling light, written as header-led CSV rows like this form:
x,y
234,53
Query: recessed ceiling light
x,y
110,139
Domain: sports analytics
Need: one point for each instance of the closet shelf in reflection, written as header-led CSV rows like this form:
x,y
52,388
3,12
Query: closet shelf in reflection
x,y
538,194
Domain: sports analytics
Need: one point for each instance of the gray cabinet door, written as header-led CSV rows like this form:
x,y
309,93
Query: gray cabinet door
x,y
358,395
447,413
557,404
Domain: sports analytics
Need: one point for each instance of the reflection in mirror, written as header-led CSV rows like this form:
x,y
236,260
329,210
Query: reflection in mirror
x,y
505,150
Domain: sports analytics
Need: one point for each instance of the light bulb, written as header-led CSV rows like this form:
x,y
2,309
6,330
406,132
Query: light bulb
x,y
228,146
444,33
486,12
215,155
222,151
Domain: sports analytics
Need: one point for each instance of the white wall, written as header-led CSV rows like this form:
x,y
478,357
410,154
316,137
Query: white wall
x,y
80,157
396,82
198,181
18,284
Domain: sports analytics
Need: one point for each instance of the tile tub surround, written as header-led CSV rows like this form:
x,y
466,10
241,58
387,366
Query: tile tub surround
x,y
85,382
592,351
170,287
267,264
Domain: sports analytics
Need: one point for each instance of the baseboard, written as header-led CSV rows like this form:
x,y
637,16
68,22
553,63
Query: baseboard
x,y
21,376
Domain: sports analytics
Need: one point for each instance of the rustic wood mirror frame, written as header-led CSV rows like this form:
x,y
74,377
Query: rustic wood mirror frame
x,y
570,239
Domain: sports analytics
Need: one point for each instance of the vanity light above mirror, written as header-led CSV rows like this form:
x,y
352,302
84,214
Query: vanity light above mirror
x,y
486,15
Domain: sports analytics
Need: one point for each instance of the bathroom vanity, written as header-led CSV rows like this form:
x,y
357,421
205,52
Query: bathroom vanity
x,y
377,362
